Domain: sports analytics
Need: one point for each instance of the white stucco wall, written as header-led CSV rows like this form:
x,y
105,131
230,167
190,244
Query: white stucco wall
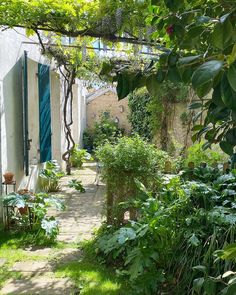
x,y
75,113
33,112
56,117
82,92
12,47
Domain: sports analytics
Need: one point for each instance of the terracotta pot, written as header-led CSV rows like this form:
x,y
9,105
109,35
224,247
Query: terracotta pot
x,y
23,211
8,177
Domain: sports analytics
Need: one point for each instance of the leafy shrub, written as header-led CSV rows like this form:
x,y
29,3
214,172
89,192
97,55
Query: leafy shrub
x,y
133,155
179,228
77,184
32,212
225,283
88,140
106,130
49,177
79,156
197,154
130,159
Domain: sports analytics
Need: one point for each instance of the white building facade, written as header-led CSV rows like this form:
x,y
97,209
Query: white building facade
x,y
31,102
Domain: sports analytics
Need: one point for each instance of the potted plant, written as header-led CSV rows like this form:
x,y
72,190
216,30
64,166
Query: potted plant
x,y
8,177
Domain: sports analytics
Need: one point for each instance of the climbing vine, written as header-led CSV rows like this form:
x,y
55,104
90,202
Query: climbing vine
x,y
139,114
149,115
71,63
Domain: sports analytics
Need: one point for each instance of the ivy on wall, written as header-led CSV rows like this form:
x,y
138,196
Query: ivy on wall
x,y
140,116
149,115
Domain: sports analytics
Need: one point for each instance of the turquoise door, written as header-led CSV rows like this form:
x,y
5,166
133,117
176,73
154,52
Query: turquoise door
x,y
44,113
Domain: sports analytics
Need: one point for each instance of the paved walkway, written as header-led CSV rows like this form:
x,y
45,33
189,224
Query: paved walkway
x,y
82,215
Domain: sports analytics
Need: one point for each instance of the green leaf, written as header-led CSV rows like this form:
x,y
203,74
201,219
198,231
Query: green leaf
x,y
125,234
172,59
230,290
194,240
195,105
163,59
204,89
160,76
174,4
228,273
173,75
200,268
206,73
29,32
226,147
228,94
125,84
152,85
232,57
188,59
106,68
210,136
206,145
217,36
224,17
194,137
186,74
222,34
231,136
139,81
229,252
203,19
197,127
231,75
216,96
197,285
203,77
209,287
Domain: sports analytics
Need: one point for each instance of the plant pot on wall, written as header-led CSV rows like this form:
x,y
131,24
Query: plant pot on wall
x,y
8,177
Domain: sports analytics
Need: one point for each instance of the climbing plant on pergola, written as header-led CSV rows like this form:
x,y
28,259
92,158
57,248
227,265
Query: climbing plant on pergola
x,y
195,41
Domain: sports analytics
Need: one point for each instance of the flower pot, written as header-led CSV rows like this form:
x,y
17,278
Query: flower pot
x,y
23,210
8,177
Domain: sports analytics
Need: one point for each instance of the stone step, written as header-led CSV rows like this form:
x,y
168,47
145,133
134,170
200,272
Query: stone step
x,y
31,266
39,285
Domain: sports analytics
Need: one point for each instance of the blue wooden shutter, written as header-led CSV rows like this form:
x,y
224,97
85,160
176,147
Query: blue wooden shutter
x,y
44,113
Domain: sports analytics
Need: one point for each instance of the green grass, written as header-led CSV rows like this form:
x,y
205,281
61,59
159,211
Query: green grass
x,y
19,239
88,275
91,278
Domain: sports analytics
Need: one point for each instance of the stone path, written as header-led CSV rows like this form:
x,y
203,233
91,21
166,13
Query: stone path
x,y
82,215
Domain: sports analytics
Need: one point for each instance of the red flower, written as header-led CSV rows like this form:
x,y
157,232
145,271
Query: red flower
x,y
170,30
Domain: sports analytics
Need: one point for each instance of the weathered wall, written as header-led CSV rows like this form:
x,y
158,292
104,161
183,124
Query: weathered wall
x,y
177,130
11,123
33,111
81,111
108,102
56,117
12,47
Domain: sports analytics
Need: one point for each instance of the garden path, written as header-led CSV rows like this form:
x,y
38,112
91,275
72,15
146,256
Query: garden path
x,y
82,215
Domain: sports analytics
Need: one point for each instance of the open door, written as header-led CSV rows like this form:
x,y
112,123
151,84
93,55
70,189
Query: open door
x,y
44,113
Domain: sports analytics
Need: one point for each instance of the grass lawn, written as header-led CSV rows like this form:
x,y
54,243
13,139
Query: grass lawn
x,y
88,275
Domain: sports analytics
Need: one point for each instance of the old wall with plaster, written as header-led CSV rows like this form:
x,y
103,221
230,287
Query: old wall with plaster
x,y
107,101
12,47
